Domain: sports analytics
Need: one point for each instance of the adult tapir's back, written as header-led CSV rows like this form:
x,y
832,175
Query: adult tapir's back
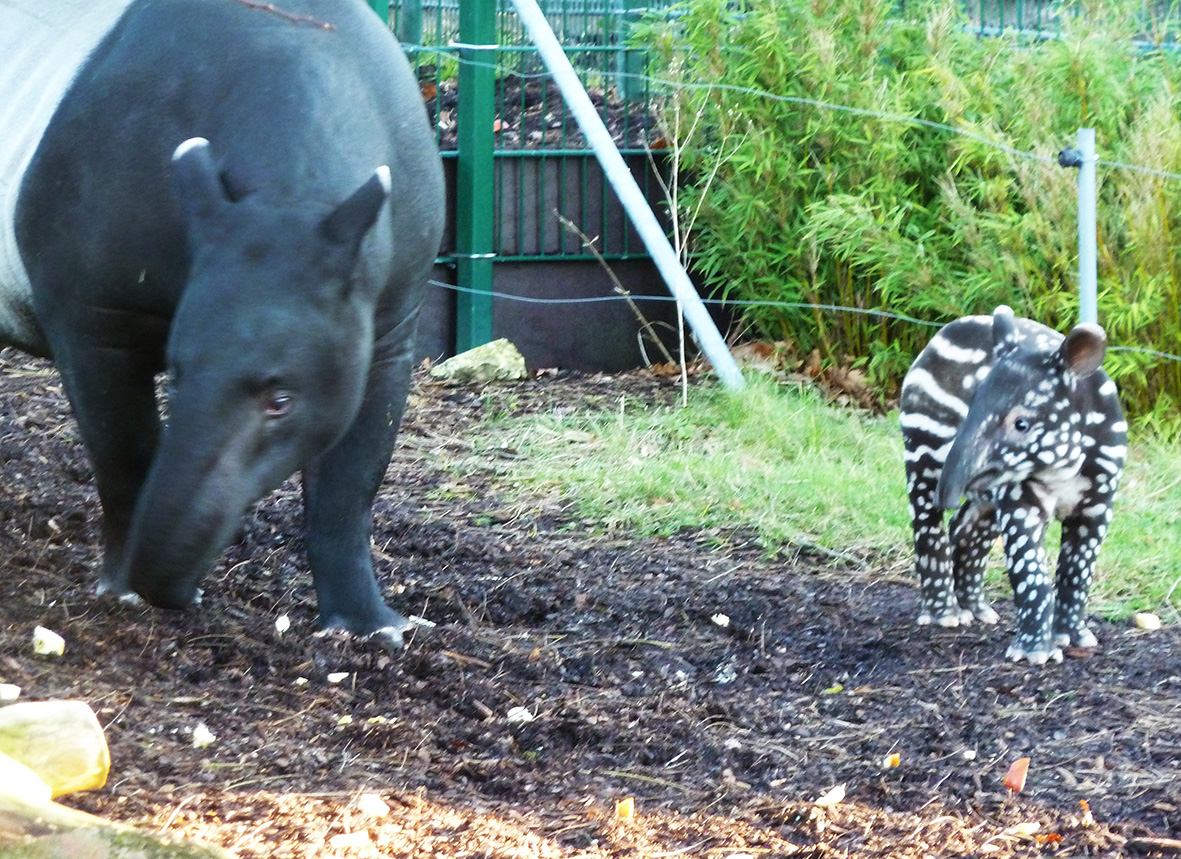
x,y
301,101
247,196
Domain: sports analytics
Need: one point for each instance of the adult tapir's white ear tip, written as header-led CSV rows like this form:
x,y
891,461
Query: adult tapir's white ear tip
x,y
188,146
383,176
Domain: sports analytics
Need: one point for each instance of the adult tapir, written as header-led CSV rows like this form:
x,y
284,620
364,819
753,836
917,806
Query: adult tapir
x,y
247,197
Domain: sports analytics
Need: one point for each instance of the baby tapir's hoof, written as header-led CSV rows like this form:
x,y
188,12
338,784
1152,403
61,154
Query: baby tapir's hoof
x,y
952,619
1035,655
957,617
1082,638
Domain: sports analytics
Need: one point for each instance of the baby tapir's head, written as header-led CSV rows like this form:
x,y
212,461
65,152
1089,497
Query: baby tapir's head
x,y
1027,418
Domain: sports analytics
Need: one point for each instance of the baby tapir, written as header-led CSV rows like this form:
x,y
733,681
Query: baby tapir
x,y
1022,424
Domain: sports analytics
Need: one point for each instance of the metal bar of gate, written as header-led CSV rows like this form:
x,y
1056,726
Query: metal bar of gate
x,y
633,200
382,8
474,173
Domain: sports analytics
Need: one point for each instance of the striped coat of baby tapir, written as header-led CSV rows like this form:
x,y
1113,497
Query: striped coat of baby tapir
x,y
1021,424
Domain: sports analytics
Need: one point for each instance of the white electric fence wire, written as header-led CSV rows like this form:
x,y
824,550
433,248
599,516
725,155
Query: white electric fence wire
x,y
784,305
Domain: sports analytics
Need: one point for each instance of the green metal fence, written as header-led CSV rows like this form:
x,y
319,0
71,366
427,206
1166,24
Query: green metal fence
x,y
515,159
522,174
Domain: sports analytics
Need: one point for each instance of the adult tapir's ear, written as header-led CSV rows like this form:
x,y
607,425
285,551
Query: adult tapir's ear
x,y
347,225
197,181
1083,349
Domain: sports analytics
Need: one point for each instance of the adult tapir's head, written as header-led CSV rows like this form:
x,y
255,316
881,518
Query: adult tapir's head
x,y
268,355
1025,419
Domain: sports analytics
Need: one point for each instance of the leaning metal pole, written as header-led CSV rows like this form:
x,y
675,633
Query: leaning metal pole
x,y
629,193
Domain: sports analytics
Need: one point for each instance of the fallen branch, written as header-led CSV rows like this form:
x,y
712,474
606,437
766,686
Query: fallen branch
x,y
589,244
287,16
1154,845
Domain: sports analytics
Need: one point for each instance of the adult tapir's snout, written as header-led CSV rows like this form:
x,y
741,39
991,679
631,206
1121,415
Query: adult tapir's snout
x,y
187,513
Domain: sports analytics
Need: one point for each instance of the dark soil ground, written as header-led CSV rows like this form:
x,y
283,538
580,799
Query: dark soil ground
x,y
725,734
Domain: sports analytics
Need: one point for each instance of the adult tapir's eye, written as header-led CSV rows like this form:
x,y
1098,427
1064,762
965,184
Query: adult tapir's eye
x,y
277,403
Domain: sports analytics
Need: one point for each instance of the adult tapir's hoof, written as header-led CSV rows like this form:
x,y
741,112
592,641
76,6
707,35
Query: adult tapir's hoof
x,y
390,637
387,631
105,587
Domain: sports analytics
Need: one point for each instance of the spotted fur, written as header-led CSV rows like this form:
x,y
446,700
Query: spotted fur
x,y
1022,425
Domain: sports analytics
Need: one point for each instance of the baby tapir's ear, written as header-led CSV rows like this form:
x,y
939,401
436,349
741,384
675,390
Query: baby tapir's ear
x,y
352,219
1005,336
1083,349
197,181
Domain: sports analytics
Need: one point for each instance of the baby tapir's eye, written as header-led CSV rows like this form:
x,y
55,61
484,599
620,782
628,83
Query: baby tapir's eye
x,y
276,403
1021,424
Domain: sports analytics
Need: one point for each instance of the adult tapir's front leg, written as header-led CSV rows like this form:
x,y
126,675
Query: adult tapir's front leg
x,y
112,392
339,488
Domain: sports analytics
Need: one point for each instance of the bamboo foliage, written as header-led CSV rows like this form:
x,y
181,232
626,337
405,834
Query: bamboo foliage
x,y
895,161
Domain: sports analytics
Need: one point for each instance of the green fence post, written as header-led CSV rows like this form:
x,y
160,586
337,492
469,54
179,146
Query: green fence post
x,y
474,173
382,8
410,22
630,62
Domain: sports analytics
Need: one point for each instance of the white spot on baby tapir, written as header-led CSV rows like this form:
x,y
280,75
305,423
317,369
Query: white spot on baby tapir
x,y
1114,451
1070,493
1108,389
42,46
1107,465
924,451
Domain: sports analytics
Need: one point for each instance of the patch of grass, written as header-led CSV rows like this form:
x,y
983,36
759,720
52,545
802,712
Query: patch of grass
x,y
780,463
775,461
1140,564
